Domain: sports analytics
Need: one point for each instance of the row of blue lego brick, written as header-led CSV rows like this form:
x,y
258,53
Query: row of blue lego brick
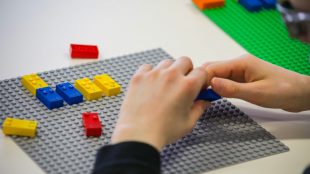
x,y
64,92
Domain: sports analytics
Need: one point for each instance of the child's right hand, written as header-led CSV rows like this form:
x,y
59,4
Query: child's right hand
x,y
260,83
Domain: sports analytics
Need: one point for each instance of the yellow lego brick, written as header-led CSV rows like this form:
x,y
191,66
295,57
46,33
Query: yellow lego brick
x,y
107,84
13,126
89,90
33,82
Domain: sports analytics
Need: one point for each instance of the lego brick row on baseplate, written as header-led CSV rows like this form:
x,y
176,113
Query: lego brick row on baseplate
x,y
65,91
223,136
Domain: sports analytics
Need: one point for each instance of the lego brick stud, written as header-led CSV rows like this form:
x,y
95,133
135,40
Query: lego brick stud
x,y
69,93
49,98
84,51
92,124
107,84
13,126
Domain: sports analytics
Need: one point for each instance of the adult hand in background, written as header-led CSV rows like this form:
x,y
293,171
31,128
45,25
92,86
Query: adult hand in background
x,y
159,104
260,83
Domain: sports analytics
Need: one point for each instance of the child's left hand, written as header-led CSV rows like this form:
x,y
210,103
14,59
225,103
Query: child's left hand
x,y
159,106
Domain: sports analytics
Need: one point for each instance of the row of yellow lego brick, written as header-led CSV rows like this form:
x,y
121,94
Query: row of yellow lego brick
x,y
103,84
13,126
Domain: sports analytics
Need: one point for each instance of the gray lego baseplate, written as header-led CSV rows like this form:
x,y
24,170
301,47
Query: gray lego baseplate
x,y
223,136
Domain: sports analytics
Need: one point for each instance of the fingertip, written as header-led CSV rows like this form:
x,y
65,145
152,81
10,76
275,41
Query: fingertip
x,y
216,84
228,88
222,87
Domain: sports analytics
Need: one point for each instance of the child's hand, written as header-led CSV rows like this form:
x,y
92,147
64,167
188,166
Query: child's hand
x,y
159,105
261,83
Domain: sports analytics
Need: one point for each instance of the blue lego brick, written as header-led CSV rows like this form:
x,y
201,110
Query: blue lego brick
x,y
251,5
69,93
49,98
269,4
208,94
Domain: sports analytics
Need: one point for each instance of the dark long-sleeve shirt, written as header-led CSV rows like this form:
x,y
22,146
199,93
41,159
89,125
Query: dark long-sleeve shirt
x,y
131,158
127,158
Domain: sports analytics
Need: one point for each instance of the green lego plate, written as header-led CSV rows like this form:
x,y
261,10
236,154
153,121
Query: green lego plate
x,y
262,34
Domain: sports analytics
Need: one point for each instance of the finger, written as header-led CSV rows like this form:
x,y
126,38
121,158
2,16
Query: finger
x,y
144,68
196,111
164,64
252,92
232,69
205,65
183,64
199,75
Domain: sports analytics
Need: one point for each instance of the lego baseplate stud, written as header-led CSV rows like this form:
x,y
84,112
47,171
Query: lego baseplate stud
x,y
208,94
49,98
207,4
13,126
251,5
32,82
89,90
69,93
92,124
84,51
107,84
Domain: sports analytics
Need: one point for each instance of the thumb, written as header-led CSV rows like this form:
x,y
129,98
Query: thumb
x,y
231,89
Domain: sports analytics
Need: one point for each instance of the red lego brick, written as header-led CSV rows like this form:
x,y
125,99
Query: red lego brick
x,y
92,124
84,51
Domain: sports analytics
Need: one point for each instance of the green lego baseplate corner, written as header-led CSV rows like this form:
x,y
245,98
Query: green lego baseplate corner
x,y
262,34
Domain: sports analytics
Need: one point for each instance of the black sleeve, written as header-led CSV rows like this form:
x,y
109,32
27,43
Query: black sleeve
x,y
127,158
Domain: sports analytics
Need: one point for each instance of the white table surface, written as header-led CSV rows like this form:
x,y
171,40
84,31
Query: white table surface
x,y
35,36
